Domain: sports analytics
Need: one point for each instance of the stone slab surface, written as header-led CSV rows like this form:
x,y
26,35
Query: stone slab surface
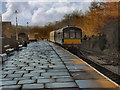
x,y
12,87
45,80
95,84
44,65
32,86
26,81
61,85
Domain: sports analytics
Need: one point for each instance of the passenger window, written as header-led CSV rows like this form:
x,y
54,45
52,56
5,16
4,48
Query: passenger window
x,y
72,34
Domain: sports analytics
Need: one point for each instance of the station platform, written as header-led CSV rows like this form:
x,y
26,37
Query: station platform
x,y
44,65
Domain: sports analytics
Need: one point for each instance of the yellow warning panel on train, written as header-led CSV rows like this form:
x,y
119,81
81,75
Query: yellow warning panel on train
x,y
72,41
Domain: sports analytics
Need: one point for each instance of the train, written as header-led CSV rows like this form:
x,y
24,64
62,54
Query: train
x,y
68,37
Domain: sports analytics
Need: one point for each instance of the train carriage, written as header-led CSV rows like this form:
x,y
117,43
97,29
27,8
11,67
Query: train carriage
x,y
52,36
68,37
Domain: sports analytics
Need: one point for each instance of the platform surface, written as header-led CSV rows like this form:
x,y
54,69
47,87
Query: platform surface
x,y
46,65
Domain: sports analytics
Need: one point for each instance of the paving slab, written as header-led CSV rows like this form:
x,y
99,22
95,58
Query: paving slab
x,y
66,88
61,85
54,73
8,83
61,76
86,75
40,77
26,81
37,71
11,87
14,75
64,79
32,86
31,74
45,80
20,72
57,70
22,78
77,67
95,84
6,79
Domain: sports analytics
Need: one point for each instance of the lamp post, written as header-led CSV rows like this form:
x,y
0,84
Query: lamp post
x,y
27,24
1,34
27,30
16,12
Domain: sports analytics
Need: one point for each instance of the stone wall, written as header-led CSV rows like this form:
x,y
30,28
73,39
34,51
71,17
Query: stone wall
x,y
119,27
107,42
8,36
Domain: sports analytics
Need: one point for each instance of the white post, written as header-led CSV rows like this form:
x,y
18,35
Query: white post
x,y
0,34
27,30
0,40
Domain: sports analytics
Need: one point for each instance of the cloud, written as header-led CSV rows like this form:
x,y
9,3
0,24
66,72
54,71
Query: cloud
x,y
55,11
59,0
41,13
1,8
23,9
51,0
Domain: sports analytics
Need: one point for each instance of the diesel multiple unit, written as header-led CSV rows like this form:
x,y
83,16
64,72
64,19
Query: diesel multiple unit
x,y
67,37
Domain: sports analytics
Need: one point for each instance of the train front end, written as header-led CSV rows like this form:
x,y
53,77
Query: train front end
x,y
72,37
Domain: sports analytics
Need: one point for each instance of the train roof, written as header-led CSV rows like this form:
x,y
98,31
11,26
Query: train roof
x,y
66,28
71,27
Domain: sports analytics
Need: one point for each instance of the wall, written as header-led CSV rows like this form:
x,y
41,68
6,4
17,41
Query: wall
x,y
8,34
107,42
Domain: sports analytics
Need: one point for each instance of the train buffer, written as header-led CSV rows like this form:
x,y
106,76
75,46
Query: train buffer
x,y
46,65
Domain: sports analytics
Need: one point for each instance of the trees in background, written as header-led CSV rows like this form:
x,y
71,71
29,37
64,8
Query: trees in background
x,y
91,22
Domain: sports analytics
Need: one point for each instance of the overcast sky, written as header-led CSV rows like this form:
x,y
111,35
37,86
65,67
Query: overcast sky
x,y
40,12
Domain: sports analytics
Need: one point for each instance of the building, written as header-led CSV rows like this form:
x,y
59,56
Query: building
x,y
8,36
7,30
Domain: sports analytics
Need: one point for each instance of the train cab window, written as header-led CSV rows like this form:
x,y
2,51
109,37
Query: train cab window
x,y
72,34
66,34
77,35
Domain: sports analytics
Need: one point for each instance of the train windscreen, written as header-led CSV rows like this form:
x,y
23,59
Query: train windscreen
x,y
72,34
77,34
66,34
